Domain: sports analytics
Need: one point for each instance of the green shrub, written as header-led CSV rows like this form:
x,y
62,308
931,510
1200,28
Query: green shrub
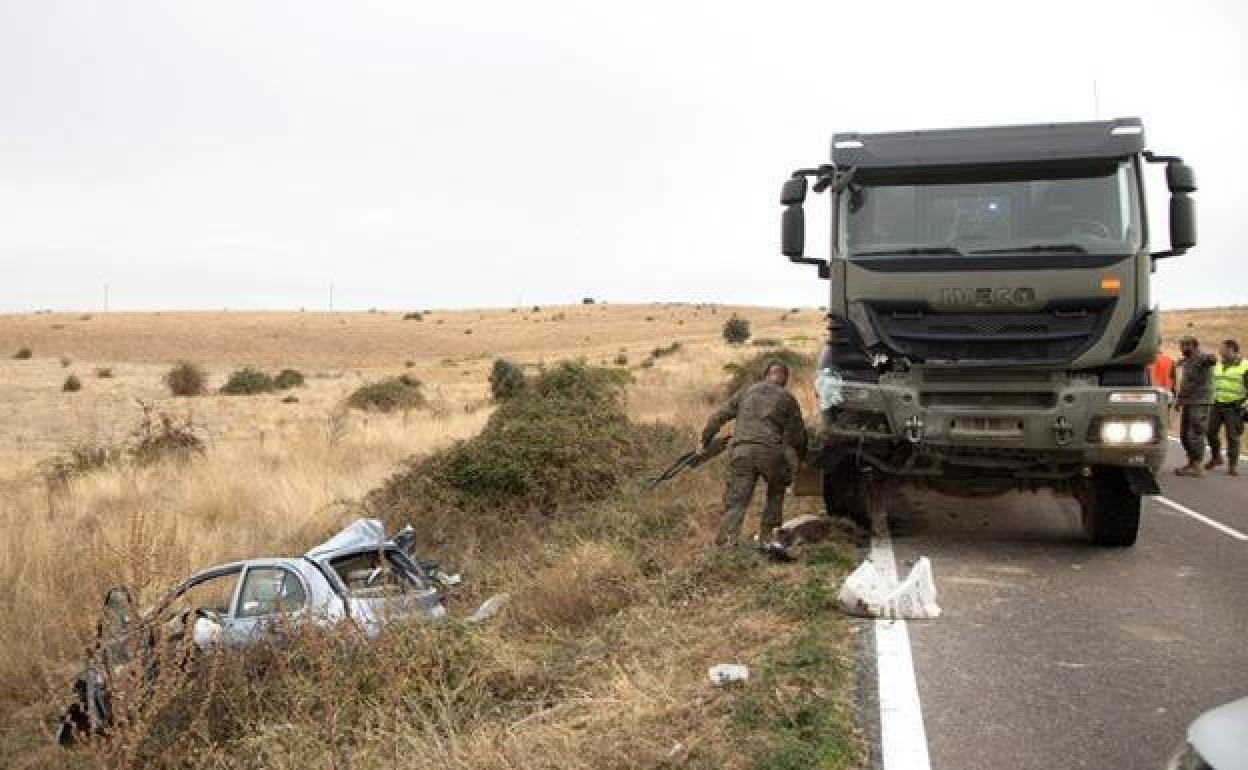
x,y
753,369
248,381
72,384
398,394
668,350
66,361
767,342
413,316
288,378
736,330
621,359
23,354
506,379
186,379
565,439
104,372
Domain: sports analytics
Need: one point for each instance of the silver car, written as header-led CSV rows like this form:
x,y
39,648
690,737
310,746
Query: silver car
x,y
1216,740
359,576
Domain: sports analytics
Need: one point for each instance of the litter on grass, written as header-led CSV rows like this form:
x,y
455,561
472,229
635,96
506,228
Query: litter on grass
x,y
868,594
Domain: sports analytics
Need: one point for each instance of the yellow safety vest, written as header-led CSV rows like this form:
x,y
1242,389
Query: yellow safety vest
x,y
1228,382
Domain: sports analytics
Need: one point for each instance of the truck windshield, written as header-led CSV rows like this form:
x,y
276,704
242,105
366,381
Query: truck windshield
x,y
1058,208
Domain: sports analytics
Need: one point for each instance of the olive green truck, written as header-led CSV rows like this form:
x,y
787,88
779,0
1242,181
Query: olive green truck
x,y
990,325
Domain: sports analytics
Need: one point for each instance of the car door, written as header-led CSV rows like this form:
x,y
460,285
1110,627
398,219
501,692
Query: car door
x,y
272,600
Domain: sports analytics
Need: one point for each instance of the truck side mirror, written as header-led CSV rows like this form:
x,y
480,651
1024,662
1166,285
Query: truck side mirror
x,y
1180,177
794,191
1181,180
793,230
1182,222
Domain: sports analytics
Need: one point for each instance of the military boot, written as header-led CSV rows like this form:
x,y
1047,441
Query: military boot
x,y
1191,469
1214,462
1231,469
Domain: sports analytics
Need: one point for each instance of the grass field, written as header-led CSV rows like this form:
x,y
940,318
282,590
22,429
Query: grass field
x,y
620,619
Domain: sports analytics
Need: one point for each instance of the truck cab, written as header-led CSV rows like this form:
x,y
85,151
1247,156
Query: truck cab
x,y
990,324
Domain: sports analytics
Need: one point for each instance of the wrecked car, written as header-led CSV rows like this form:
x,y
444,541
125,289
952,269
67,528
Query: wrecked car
x,y
358,576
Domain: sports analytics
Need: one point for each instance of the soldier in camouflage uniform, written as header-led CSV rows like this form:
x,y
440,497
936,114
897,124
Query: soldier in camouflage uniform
x,y
1195,401
768,418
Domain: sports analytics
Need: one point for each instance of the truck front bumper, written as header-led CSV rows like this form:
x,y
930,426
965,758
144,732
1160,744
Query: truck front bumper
x,y
1068,429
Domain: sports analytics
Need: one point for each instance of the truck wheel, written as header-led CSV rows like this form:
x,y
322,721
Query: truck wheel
x,y
1111,510
847,493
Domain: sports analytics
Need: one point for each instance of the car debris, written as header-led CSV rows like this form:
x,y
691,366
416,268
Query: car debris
x,y
728,673
359,577
866,593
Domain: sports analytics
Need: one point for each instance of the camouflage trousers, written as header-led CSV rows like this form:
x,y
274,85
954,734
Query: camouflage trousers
x,y
1193,430
747,463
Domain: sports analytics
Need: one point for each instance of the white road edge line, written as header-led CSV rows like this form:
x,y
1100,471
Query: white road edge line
x,y
1203,519
903,741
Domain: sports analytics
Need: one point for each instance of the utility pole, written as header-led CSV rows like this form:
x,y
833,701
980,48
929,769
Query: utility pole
x,y
331,297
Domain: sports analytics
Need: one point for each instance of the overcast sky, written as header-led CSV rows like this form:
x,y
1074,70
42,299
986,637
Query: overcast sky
x,y
413,154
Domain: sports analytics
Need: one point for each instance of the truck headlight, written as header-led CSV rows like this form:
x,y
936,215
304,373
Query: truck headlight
x,y
1127,431
1134,396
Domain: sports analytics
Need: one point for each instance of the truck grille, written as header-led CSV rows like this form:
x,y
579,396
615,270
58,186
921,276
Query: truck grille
x,y
1058,333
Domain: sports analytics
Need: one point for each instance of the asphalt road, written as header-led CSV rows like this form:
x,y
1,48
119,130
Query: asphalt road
x,y
1053,654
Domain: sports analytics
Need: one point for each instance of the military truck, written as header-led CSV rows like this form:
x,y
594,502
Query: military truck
x,y
990,324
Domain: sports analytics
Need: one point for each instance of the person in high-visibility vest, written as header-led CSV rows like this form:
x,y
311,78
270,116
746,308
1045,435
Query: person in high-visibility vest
x,y
1161,373
1230,391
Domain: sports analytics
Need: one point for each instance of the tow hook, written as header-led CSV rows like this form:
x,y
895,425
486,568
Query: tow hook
x,y
914,429
1062,431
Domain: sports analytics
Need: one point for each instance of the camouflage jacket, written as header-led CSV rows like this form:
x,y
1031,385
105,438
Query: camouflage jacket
x,y
1196,382
766,414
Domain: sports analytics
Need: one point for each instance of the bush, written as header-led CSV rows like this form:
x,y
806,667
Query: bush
x,y
248,381
66,361
186,379
506,379
621,359
754,368
587,301
392,395
736,330
288,378
104,372
565,439
413,317
161,437
23,354
766,342
661,351
72,384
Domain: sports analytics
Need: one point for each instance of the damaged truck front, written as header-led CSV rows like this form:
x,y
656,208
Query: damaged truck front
x,y
990,321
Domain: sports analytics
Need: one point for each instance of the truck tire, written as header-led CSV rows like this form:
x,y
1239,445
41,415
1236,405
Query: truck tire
x,y
1110,509
847,493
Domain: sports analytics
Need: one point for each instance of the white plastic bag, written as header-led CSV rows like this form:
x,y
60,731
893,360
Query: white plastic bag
x,y
866,593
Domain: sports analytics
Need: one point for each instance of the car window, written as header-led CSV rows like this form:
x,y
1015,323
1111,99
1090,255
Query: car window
x,y
370,574
209,593
270,590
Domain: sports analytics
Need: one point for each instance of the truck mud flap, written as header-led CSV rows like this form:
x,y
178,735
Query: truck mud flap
x,y
1141,481
808,481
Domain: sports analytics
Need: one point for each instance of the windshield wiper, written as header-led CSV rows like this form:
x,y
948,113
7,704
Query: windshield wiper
x,y
1068,248
910,250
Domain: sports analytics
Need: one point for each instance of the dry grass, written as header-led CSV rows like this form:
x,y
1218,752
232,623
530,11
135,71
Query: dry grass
x,y
1209,325
600,662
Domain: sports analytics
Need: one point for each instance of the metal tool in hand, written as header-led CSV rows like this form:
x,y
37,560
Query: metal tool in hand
x,y
691,459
